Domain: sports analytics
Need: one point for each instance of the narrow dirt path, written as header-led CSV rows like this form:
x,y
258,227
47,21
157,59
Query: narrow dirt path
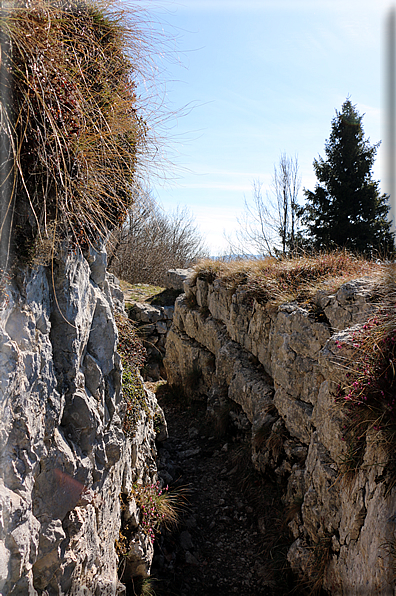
x,y
231,537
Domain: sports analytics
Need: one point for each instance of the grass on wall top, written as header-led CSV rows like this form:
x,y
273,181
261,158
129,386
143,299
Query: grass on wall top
x,y
287,279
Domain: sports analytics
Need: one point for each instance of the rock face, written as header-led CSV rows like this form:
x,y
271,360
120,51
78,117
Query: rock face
x,y
64,458
281,366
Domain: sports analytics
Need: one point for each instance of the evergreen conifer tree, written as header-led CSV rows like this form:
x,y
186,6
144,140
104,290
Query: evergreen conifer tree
x,y
346,208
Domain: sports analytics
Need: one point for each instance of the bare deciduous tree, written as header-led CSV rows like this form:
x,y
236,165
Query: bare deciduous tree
x,y
286,184
152,241
269,224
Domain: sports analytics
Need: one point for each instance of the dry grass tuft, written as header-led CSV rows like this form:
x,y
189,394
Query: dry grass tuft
x,y
314,573
288,279
70,130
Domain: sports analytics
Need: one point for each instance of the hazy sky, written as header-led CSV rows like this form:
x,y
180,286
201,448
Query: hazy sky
x,y
248,80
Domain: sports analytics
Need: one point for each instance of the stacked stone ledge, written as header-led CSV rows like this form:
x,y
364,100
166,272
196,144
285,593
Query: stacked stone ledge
x,y
154,322
280,368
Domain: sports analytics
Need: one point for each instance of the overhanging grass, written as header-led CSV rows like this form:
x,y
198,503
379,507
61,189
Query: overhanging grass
x,y
70,130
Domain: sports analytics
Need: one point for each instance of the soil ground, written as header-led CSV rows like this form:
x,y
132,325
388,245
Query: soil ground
x,y
155,295
232,537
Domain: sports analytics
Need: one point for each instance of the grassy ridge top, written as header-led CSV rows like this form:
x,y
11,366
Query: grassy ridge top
x,y
294,278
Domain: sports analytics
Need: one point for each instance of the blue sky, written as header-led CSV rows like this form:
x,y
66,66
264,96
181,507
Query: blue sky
x,y
247,80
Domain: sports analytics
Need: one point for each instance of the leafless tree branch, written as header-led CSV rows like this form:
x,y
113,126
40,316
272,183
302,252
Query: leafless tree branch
x,y
152,241
269,224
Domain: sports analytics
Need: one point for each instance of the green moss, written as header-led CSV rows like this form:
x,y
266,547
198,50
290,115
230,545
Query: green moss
x,y
135,397
133,356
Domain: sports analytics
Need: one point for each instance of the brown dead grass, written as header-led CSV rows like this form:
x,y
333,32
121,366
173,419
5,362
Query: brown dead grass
x,y
288,279
72,132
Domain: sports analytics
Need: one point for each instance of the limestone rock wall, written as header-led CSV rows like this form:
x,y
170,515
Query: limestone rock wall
x,y
64,459
281,365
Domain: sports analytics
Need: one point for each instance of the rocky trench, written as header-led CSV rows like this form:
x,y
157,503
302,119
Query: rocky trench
x,y
268,468
278,369
231,536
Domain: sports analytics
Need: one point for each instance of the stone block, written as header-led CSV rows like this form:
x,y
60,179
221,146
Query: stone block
x,y
161,327
175,278
92,374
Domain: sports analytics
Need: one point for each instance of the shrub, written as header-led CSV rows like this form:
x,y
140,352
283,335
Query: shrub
x,y
151,242
158,507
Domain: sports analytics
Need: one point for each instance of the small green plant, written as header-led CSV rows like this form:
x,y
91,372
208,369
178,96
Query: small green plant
x,y
133,355
158,507
135,397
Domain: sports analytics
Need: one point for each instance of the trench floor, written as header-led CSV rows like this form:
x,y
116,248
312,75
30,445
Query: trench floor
x,y
232,537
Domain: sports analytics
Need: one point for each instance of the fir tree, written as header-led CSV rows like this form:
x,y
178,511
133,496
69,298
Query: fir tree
x,y
346,208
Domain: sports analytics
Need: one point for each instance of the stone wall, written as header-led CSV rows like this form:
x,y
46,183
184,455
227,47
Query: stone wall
x,y
153,324
281,365
64,458
154,321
